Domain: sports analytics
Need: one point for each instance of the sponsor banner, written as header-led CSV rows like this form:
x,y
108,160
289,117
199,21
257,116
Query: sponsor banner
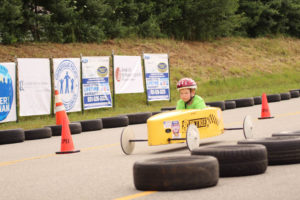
x,y
128,77
7,92
67,82
34,86
95,82
157,77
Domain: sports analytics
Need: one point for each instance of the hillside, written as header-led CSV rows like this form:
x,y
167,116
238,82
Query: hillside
x,y
204,60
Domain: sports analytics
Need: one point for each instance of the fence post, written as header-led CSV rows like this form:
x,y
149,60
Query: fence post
x,y
113,76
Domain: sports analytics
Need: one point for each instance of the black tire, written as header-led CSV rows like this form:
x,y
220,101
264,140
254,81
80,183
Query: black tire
x,y
245,102
176,173
294,93
237,160
168,108
75,128
12,136
138,118
219,104
286,133
38,133
113,122
91,125
230,105
273,98
281,150
257,100
156,112
285,96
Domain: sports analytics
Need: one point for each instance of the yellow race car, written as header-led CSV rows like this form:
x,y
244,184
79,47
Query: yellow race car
x,y
182,125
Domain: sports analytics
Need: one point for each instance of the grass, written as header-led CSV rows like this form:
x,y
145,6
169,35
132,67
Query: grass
x,y
224,69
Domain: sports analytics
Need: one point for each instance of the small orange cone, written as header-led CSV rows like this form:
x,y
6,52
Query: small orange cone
x,y
265,112
67,145
60,111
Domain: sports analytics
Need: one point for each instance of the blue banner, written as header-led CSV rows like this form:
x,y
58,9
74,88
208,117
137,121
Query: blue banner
x,y
95,83
157,77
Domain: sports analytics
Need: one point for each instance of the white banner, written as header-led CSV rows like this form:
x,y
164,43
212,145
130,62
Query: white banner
x,y
157,77
7,92
34,86
128,77
95,82
67,82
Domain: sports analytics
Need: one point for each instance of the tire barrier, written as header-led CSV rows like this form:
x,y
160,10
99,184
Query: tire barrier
x,y
273,98
220,104
176,173
75,128
114,122
91,125
138,118
38,133
285,96
168,108
257,100
237,160
294,93
244,102
12,136
281,150
156,112
230,105
286,133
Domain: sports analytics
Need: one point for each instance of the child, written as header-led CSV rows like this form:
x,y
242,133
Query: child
x,y
188,100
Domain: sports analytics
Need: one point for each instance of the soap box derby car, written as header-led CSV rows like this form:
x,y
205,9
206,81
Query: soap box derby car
x,y
182,125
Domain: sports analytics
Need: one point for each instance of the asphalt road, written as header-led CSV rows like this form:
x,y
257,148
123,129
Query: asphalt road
x,y
31,170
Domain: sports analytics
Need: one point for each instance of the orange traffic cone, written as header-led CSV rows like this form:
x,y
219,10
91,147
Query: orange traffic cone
x,y
265,112
67,145
60,111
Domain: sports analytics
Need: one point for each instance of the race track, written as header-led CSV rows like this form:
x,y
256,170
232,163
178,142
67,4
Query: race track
x,y
31,170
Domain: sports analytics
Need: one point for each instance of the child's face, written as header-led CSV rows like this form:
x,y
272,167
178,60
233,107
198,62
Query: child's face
x,y
186,94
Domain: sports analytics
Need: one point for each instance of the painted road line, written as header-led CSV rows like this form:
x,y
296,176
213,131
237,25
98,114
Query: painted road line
x,y
134,196
6,163
25,159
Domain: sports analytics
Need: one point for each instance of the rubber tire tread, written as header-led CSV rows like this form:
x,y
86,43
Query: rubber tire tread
x,y
273,98
244,102
156,112
168,108
230,105
113,122
138,118
176,173
294,93
257,100
38,133
281,150
220,104
75,128
285,96
91,125
237,160
12,136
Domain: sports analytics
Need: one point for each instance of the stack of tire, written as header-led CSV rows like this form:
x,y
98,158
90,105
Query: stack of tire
x,y
202,169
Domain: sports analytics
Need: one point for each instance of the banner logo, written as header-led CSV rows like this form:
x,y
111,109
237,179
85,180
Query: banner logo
x,y
118,74
67,82
7,93
102,71
162,67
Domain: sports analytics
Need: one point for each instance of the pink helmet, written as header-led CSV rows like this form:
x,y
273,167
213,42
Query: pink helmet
x,y
186,83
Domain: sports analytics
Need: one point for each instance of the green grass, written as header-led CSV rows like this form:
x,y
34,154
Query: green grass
x,y
213,90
